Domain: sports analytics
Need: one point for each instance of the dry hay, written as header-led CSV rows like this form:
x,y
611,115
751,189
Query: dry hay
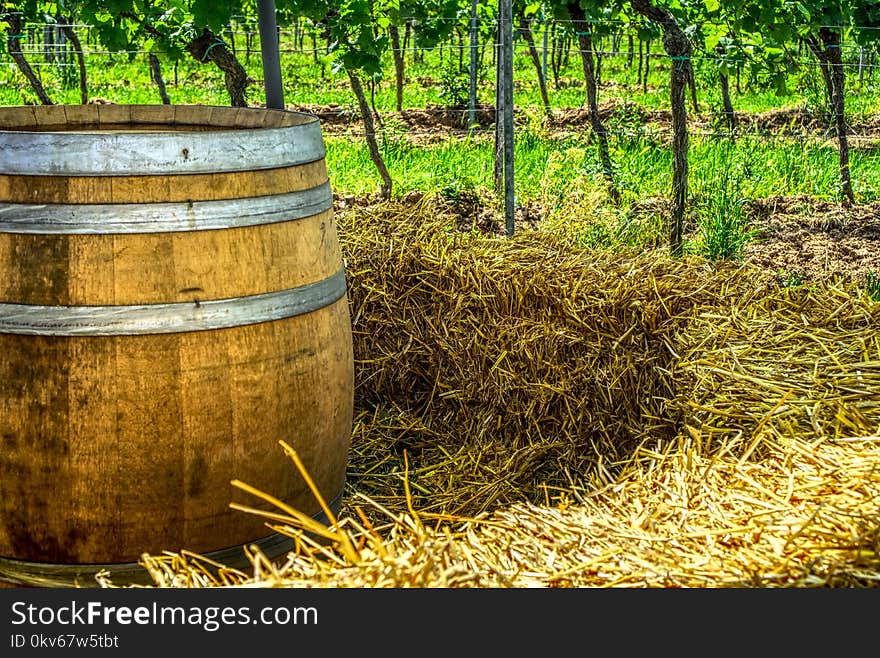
x,y
511,364
532,414
805,515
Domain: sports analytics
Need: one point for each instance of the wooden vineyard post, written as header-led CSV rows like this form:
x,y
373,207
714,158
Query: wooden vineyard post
x,y
544,52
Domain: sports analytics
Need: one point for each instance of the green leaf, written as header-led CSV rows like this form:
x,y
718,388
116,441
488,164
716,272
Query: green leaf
x,y
213,15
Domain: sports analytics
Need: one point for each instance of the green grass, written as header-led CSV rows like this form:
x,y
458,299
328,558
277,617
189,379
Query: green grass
x,y
116,79
564,175
560,171
311,81
872,286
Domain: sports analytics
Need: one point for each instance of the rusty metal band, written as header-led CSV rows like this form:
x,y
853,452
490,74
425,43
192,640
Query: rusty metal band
x,y
44,574
120,153
105,219
175,317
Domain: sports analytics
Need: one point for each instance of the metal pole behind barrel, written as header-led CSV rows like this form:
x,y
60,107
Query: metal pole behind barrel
x,y
472,89
271,55
506,22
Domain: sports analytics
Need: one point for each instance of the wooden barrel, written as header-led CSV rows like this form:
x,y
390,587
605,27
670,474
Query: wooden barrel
x,y
172,305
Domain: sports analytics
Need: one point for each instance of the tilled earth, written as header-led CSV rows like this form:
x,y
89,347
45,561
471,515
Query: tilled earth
x,y
617,115
810,239
799,237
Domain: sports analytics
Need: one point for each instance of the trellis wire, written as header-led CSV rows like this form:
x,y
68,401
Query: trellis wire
x,y
506,50
519,48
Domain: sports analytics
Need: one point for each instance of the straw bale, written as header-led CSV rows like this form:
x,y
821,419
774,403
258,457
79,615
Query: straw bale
x,y
508,364
797,362
535,414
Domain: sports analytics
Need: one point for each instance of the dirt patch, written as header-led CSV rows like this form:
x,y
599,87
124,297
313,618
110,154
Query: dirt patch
x,y
613,112
806,239
446,116
800,238
782,122
433,118
332,116
436,122
794,122
625,116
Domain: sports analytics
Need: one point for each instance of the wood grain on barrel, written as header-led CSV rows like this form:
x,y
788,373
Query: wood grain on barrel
x,y
154,268
161,117
130,445
145,189
112,446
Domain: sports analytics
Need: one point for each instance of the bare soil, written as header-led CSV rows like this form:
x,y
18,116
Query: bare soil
x,y
810,239
800,238
617,115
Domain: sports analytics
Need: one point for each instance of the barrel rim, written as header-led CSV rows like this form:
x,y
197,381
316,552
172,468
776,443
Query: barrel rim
x,y
248,144
73,114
